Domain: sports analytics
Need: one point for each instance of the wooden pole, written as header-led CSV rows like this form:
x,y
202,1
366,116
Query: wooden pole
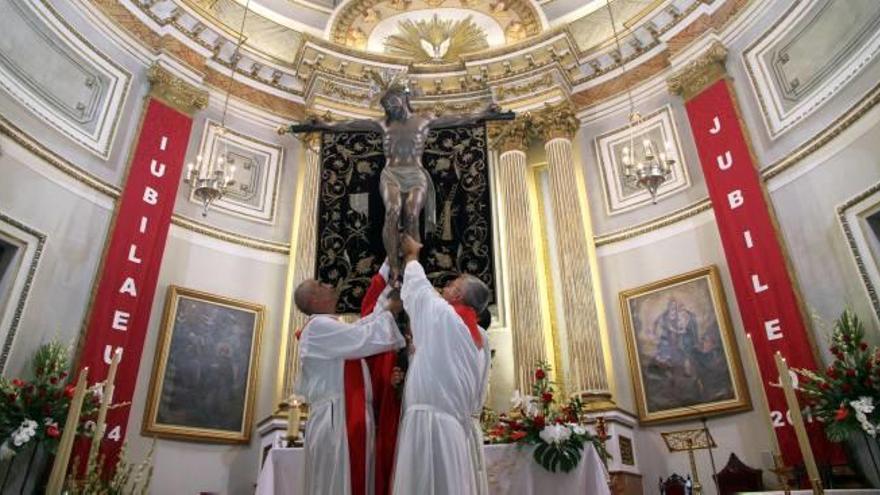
x,y
65,445
797,421
106,399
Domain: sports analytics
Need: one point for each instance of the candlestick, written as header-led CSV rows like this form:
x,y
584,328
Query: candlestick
x,y
797,421
106,399
65,445
293,414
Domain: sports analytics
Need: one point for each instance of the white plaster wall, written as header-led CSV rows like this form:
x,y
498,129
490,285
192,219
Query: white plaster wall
x,y
74,219
197,262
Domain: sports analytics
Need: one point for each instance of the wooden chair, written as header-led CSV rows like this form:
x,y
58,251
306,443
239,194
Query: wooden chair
x,y
674,485
737,477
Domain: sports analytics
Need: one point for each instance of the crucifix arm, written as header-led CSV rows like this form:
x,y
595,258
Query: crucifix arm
x,y
492,112
315,125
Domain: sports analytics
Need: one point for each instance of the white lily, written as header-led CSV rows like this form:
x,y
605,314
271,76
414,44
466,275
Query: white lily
x,y
555,433
863,407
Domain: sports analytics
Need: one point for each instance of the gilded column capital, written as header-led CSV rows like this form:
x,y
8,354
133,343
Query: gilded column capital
x,y
699,73
176,92
556,121
507,136
313,140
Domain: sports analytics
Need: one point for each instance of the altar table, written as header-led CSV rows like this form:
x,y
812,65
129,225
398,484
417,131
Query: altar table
x,y
512,471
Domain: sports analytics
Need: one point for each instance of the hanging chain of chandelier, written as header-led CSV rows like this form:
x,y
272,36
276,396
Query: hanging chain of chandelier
x,y
645,165
210,178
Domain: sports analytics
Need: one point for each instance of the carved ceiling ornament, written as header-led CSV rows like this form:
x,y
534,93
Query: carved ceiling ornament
x,y
176,92
697,74
556,121
519,18
436,40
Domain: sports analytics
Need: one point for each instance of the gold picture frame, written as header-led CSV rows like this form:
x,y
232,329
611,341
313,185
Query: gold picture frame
x,y
209,350
683,356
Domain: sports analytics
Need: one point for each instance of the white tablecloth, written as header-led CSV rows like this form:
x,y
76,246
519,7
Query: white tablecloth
x,y
512,471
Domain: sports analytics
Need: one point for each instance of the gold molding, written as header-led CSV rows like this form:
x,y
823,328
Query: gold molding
x,y
176,92
511,135
657,223
699,73
556,121
853,245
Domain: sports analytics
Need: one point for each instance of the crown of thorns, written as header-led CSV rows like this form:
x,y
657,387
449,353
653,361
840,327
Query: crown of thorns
x,y
383,84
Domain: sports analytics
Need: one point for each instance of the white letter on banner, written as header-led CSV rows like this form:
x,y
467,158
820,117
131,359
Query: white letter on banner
x,y
748,237
774,331
725,161
151,196
735,198
756,283
157,172
132,255
120,320
108,353
128,287
143,228
163,143
716,126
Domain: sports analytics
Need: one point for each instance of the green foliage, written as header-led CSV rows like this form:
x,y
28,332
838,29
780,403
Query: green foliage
x,y
127,479
557,432
853,377
35,410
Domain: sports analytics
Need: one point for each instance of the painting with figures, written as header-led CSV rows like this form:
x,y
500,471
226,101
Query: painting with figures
x,y
682,350
203,377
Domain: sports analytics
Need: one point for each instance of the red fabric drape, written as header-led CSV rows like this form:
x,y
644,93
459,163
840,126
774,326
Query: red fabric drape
x,y
469,317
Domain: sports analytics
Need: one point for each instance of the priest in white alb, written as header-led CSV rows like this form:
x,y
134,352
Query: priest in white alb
x,y
439,442
324,345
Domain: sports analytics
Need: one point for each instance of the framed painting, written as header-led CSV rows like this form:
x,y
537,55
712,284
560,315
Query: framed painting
x,y
205,369
683,356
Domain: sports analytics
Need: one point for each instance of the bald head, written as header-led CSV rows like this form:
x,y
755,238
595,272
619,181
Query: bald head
x,y
312,297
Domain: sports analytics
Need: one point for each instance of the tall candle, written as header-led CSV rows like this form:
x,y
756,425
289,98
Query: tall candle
x,y
65,445
797,421
106,399
765,404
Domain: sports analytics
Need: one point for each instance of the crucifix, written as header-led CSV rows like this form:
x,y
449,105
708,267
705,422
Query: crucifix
x,y
405,185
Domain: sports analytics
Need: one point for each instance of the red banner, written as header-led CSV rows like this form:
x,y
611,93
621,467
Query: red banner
x,y
124,296
763,288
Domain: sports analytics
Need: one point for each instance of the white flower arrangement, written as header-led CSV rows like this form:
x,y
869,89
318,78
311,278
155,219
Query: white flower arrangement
x,y
863,407
555,434
24,433
527,403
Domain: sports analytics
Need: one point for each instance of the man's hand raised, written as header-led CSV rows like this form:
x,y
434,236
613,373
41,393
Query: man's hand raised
x,y
410,248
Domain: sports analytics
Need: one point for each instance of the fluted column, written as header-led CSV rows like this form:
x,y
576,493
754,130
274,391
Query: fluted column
x,y
585,365
301,265
527,319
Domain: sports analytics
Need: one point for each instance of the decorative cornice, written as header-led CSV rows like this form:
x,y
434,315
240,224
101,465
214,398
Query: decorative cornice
x,y
556,121
175,91
232,237
700,73
654,224
511,135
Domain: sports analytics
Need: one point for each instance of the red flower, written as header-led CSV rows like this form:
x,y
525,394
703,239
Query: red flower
x,y
539,421
18,383
547,397
842,413
832,373
850,372
863,346
517,435
539,374
52,431
53,380
825,386
63,375
69,391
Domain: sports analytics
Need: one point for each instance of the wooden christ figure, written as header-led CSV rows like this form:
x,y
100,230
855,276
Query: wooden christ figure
x,y
405,185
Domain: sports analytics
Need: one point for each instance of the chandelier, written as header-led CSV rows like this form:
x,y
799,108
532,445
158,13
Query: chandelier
x,y
645,165
209,177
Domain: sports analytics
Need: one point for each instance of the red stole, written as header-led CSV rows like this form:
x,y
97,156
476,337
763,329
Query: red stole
x,y
386,409
469,317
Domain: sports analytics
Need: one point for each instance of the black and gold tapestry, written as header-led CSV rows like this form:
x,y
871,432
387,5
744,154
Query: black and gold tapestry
x,y
351,212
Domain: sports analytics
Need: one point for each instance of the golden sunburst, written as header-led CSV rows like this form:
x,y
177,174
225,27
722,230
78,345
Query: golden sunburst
x,y
436,40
